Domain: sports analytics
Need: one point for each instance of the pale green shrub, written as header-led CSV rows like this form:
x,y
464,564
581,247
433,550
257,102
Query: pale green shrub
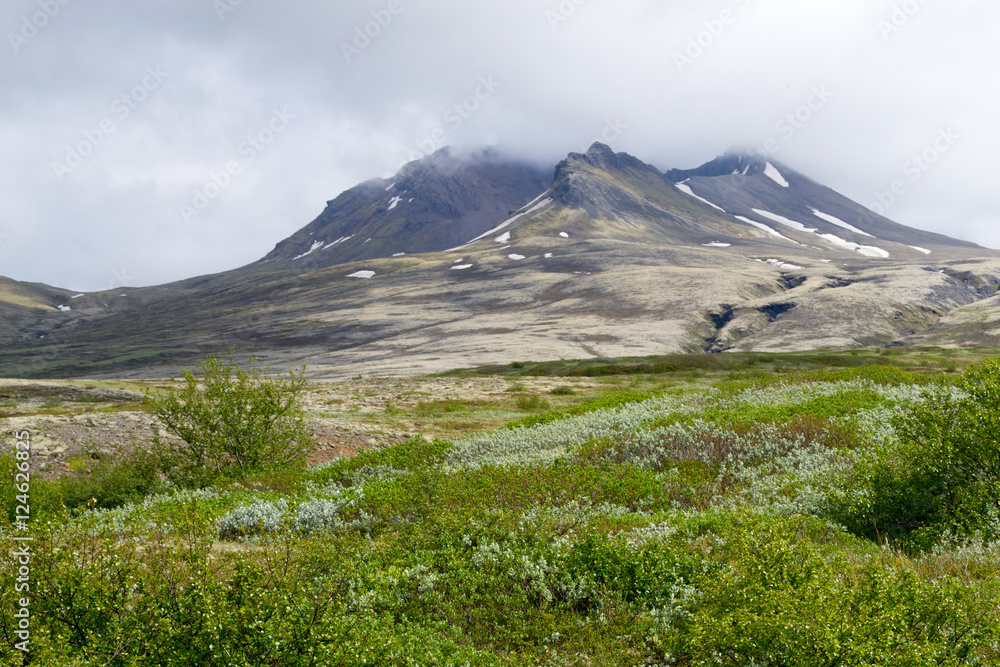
x,y
258,518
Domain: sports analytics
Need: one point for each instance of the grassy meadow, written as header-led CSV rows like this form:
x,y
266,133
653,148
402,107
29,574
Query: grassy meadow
x,y
745,510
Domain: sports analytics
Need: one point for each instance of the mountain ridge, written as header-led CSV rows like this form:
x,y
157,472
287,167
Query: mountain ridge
x,y
606,255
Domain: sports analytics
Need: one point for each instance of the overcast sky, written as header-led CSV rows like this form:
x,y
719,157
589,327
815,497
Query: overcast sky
x,y
149,141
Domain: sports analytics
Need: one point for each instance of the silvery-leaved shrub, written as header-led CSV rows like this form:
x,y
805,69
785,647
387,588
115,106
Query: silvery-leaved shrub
x,y
258,518
323,514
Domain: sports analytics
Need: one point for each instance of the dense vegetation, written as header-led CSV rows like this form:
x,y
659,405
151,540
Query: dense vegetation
x,y
821,517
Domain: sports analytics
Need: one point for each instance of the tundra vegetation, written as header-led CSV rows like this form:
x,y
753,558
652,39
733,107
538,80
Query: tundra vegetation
x,y
808,511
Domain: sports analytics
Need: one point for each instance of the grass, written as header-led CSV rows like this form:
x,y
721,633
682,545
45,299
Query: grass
x,y
928,360
679,516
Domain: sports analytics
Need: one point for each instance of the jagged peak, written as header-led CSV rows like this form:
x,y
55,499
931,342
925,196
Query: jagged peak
x,y
602,156
599,149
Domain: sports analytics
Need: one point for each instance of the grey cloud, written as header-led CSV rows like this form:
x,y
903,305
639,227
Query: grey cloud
x,y
564,71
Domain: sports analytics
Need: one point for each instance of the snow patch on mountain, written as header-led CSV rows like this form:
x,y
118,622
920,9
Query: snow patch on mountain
x,y
315,246
866,250
781,265
686,189
505,223
342,239
919,249
362,274
771,172
769,230
783,220
840,223
535,200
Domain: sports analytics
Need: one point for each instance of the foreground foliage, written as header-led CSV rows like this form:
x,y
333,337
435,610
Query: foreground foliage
x,y
233,421
843,518
938,475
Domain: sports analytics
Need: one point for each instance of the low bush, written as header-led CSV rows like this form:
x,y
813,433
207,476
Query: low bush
x,y
939,472
108,483
781,601
630,530
531,403
45,497
258,518
242,421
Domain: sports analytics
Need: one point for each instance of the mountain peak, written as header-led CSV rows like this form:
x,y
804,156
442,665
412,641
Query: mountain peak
x,y
731,162
602,156
430,204
600,149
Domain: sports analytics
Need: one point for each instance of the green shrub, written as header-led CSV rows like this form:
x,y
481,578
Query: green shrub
x,y
531,403
243,421
107,484
562,391
44,496
782,601
940,475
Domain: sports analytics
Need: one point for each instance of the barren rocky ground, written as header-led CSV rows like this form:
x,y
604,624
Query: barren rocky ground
x,y
72,421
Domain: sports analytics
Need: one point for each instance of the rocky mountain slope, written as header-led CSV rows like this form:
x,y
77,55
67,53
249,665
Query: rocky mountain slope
x,y
430,205
611,257
763,192
24,307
